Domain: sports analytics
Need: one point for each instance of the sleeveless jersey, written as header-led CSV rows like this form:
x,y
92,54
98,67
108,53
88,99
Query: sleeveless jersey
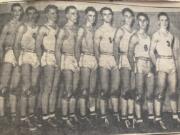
x,y
106,39
143,46
124,42
29,37
88,40
163,43
49,40
69,39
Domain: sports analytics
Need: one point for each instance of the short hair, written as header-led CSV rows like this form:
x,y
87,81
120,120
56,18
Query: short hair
x,y
144,15
16,5
31,8
162,14
50,7
68,8
127,10
90,9
106,8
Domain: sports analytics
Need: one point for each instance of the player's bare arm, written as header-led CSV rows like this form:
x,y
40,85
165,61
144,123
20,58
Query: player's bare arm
x,y
78,43
18,39
39,41
132,44
97,41
2,38
117,39
59,44
152,50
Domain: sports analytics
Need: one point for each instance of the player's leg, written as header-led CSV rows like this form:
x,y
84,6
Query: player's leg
x,y
35,76
150,97
73,99
173,97
125,82
139,99
26,84
83,95
67,93
53,99
161,80
48,82
5,79
93,93
14,90
104,81
115,93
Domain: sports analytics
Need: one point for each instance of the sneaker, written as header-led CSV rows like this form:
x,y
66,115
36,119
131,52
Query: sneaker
x,y
159,124
35,121
140,126
86,122
28,124
104,122
176,122
74,120
124,124
52,122
131,123
68,124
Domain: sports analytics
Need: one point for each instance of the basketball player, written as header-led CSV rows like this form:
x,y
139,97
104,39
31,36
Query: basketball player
x,y
107,57
88,66
47,38
25,51
122,38
164,59
66,53
139,49
10,71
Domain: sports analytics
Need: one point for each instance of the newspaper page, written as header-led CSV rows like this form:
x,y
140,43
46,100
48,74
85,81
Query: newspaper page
x,y
89,68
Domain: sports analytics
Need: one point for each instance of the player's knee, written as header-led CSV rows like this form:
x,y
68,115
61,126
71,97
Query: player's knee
x,y
92,93
139,98
13,91
173,96
103,95
158,96
84,93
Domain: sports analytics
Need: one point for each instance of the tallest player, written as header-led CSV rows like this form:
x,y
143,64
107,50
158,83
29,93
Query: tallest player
x,y
10,71
164,59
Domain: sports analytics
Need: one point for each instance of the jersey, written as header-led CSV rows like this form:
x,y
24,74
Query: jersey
x,y
124,42
29,37
163,43
142,48
88,40
69,40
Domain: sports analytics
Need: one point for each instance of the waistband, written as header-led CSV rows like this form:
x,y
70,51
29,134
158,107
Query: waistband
x,y
28,50
165,57
49,51
106,53
8,48
87,53
123,53
143,58
67,54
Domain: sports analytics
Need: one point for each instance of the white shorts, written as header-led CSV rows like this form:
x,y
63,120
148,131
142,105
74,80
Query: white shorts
x,y
166,65
48,59
107,61
29,58
143,66
88,61
10,58
69,62
124,62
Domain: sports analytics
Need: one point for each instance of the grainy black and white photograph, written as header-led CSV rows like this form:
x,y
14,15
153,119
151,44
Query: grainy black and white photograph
x,y
89,68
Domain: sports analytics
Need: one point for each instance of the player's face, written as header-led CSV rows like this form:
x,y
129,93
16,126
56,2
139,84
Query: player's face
x,y
107,16
52,14
17,11
128,18
163,22
32,15
91,17
143,22
72,15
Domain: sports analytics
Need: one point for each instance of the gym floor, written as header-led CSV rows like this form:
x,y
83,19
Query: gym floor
x,y
112,130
